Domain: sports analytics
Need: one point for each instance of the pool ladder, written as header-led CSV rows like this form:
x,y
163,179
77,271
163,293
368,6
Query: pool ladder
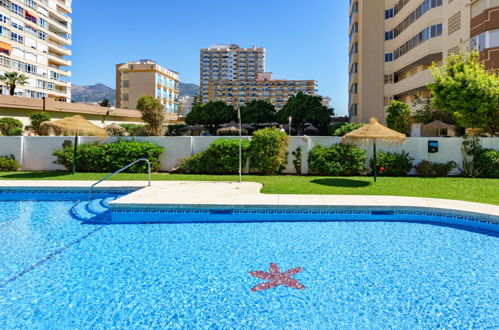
x,y
121,170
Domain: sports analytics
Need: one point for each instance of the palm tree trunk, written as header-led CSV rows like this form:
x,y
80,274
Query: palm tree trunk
x,y
12,89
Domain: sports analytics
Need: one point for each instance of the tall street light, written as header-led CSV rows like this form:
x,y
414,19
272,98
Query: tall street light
x,y
289,126
240,146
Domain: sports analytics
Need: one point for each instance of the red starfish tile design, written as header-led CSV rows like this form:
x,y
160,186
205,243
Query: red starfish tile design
x,y
276,278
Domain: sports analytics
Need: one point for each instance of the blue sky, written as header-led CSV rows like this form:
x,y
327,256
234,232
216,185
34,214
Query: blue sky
x,y
305,39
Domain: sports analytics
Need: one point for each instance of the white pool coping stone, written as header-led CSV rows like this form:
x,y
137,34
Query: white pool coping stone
x,y
234,195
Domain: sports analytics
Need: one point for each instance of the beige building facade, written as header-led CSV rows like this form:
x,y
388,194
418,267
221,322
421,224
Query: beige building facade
x,y
146,77
394,42
277,91
220,63
34,36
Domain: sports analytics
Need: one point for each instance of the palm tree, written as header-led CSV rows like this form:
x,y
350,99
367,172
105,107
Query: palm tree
x,y
13,79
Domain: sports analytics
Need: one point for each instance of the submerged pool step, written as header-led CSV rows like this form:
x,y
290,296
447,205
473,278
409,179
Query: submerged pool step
x,y
94,210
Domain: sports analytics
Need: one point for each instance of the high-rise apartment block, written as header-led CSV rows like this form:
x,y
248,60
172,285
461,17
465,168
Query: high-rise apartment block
x,y
229,62
239,92
146,77
393,43
34,35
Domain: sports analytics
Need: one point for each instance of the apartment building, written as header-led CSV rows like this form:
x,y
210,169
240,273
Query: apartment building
x,y
229,63
146,77
34,35
394,42
278,91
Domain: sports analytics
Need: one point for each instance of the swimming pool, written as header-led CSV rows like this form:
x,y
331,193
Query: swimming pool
x,y
57,272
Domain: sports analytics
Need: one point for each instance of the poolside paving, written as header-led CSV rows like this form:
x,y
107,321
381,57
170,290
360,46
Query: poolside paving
x,y
222,195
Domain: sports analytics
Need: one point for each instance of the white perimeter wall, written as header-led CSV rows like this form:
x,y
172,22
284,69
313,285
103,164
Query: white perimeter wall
x,y
35,153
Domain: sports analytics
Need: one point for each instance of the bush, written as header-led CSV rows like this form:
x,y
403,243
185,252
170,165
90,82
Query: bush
x,y
115,130
428,169
10,127
488,162
174,130
392,164
109,157
37,118
268,151
221,157
399,117
8,164
347,128
135,129
337,160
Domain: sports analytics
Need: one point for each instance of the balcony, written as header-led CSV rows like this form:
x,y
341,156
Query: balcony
x,y
55,47
61,38
411,83
58,60
58,27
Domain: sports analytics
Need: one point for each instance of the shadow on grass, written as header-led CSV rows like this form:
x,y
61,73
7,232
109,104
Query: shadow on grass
x,y
34,175
337,182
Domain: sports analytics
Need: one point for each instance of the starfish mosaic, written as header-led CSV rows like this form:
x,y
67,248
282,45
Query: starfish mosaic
x,y
275,278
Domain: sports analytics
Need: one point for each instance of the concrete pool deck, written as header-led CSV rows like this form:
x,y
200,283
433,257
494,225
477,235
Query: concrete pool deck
x,y
229,195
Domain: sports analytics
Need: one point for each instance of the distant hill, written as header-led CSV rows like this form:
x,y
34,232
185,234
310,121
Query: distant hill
x,y
98,92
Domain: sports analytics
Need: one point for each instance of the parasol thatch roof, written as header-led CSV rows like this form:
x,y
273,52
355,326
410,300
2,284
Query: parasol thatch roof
x,y
437,124
71,126
374,131
231,129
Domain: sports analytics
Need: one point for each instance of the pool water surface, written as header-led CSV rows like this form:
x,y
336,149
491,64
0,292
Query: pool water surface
x,y
56,272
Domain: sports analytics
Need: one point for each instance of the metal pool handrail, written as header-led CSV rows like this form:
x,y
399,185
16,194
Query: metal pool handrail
x,y
124,168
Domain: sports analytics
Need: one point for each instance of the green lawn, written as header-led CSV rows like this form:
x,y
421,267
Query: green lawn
x,y
475,190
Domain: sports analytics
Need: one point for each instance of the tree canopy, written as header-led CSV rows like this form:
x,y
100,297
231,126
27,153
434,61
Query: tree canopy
x,y
399,117
13,79
153,114
466,89
305,108
426,113
258,112
211,114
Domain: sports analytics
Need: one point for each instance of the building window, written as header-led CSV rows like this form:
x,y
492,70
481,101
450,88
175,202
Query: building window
x,y
16,9
388,57
352,111
17,37
389,35
389,13
388,78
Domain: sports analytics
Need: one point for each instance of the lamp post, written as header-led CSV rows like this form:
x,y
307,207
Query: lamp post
x,y
240,146
289,127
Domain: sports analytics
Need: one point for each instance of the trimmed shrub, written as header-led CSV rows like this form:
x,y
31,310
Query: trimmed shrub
x,y
109,157
428,169
37,118
488,162
8,164
10,127
135,129
175,130
268,151
347,128
337,160
392,164
221,157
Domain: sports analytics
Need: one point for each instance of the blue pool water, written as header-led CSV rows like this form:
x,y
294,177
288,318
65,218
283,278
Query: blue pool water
x,y
57,272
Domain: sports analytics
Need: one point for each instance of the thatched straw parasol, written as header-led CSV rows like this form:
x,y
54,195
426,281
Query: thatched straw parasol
x,y
231,129
75,125
311,129
372,132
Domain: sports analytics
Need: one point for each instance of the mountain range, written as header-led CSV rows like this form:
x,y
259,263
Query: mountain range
x,y
98,92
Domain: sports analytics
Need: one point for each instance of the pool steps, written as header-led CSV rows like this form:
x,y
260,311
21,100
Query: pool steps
x,y
95,210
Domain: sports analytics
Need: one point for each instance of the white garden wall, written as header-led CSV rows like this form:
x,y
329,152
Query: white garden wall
x,y
35,153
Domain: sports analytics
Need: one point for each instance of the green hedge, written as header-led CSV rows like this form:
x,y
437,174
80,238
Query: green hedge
x,y
221,157
337,160
429,169
109,157
392,164
269,151
8,164
10,127
488,162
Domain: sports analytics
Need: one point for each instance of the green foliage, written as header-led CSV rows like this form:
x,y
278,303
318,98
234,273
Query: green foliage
x,y
426,113
429,169
221,157
298,154
115,130
337,160
135,129
268,151
8,164
152,113
488,162
305,108
479,161
392,164
10,127
109,157
399,117
13,79
347,128
467,90
174,130
37,118
211,114
258,112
